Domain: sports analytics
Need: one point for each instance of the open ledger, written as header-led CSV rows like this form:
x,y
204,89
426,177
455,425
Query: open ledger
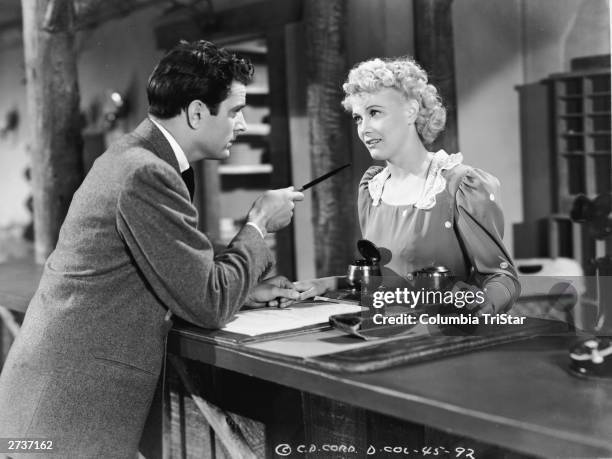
x,y
256,322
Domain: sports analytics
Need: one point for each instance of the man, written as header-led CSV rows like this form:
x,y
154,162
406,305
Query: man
x,y
84,368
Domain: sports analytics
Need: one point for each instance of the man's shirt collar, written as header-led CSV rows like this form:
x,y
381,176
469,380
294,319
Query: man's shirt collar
x,y
181,157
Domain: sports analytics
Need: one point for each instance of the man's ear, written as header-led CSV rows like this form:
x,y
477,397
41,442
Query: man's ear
x,y
196,112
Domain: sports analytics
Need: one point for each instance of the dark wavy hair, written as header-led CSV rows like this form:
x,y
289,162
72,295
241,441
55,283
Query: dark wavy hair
x,y
194,71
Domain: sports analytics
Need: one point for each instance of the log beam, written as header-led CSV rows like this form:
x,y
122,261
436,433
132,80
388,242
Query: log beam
x,y
326,57
434,50
53,115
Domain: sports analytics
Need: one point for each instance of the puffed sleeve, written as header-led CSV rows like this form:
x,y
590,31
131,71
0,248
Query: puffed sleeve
x,y
480,224
364,201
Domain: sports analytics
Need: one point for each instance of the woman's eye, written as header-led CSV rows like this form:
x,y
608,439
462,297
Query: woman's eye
x,y
374,112
356,119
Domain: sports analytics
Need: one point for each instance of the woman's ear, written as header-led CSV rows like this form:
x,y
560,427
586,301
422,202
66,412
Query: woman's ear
x,y
412,110
196,111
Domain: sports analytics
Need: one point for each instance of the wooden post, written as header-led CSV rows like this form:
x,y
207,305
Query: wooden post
x,y
327,421
333,211
434,50
53,115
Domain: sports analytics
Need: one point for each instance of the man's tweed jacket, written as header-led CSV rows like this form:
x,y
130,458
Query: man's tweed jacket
x,y
84,368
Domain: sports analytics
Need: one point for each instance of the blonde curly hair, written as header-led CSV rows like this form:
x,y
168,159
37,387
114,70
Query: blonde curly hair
x,y
405,75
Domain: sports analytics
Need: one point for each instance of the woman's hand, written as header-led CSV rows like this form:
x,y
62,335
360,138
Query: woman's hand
x,y
314,287
477,302
277,291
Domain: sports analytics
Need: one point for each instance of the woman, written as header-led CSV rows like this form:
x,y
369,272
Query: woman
x,y
423,208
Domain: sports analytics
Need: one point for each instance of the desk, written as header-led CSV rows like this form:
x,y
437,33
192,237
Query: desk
x,y
518,395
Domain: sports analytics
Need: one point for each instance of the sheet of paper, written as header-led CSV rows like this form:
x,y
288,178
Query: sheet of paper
x,y
270,320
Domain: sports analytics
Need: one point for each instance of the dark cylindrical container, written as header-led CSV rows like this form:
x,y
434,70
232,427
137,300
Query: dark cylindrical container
x,y
432,278
365,271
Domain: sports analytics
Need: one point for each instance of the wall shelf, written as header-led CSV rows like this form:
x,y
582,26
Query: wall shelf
x,y
565,142
581,127
260,158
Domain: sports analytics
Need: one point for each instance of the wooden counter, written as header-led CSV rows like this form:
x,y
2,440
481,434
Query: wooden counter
x,y
518,395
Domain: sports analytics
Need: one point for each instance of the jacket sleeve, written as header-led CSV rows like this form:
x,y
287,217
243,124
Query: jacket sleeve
x,y
480,224
158,224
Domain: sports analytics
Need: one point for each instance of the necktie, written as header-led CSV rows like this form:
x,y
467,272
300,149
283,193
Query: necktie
x,y
189,181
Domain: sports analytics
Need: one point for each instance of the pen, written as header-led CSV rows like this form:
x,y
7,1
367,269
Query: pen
x,y
323,177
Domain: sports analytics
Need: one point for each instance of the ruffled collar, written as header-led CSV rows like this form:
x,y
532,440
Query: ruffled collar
x,y
434,183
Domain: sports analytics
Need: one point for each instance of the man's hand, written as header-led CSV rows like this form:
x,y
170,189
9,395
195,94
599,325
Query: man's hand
x,y
273,210
315,287
277,291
